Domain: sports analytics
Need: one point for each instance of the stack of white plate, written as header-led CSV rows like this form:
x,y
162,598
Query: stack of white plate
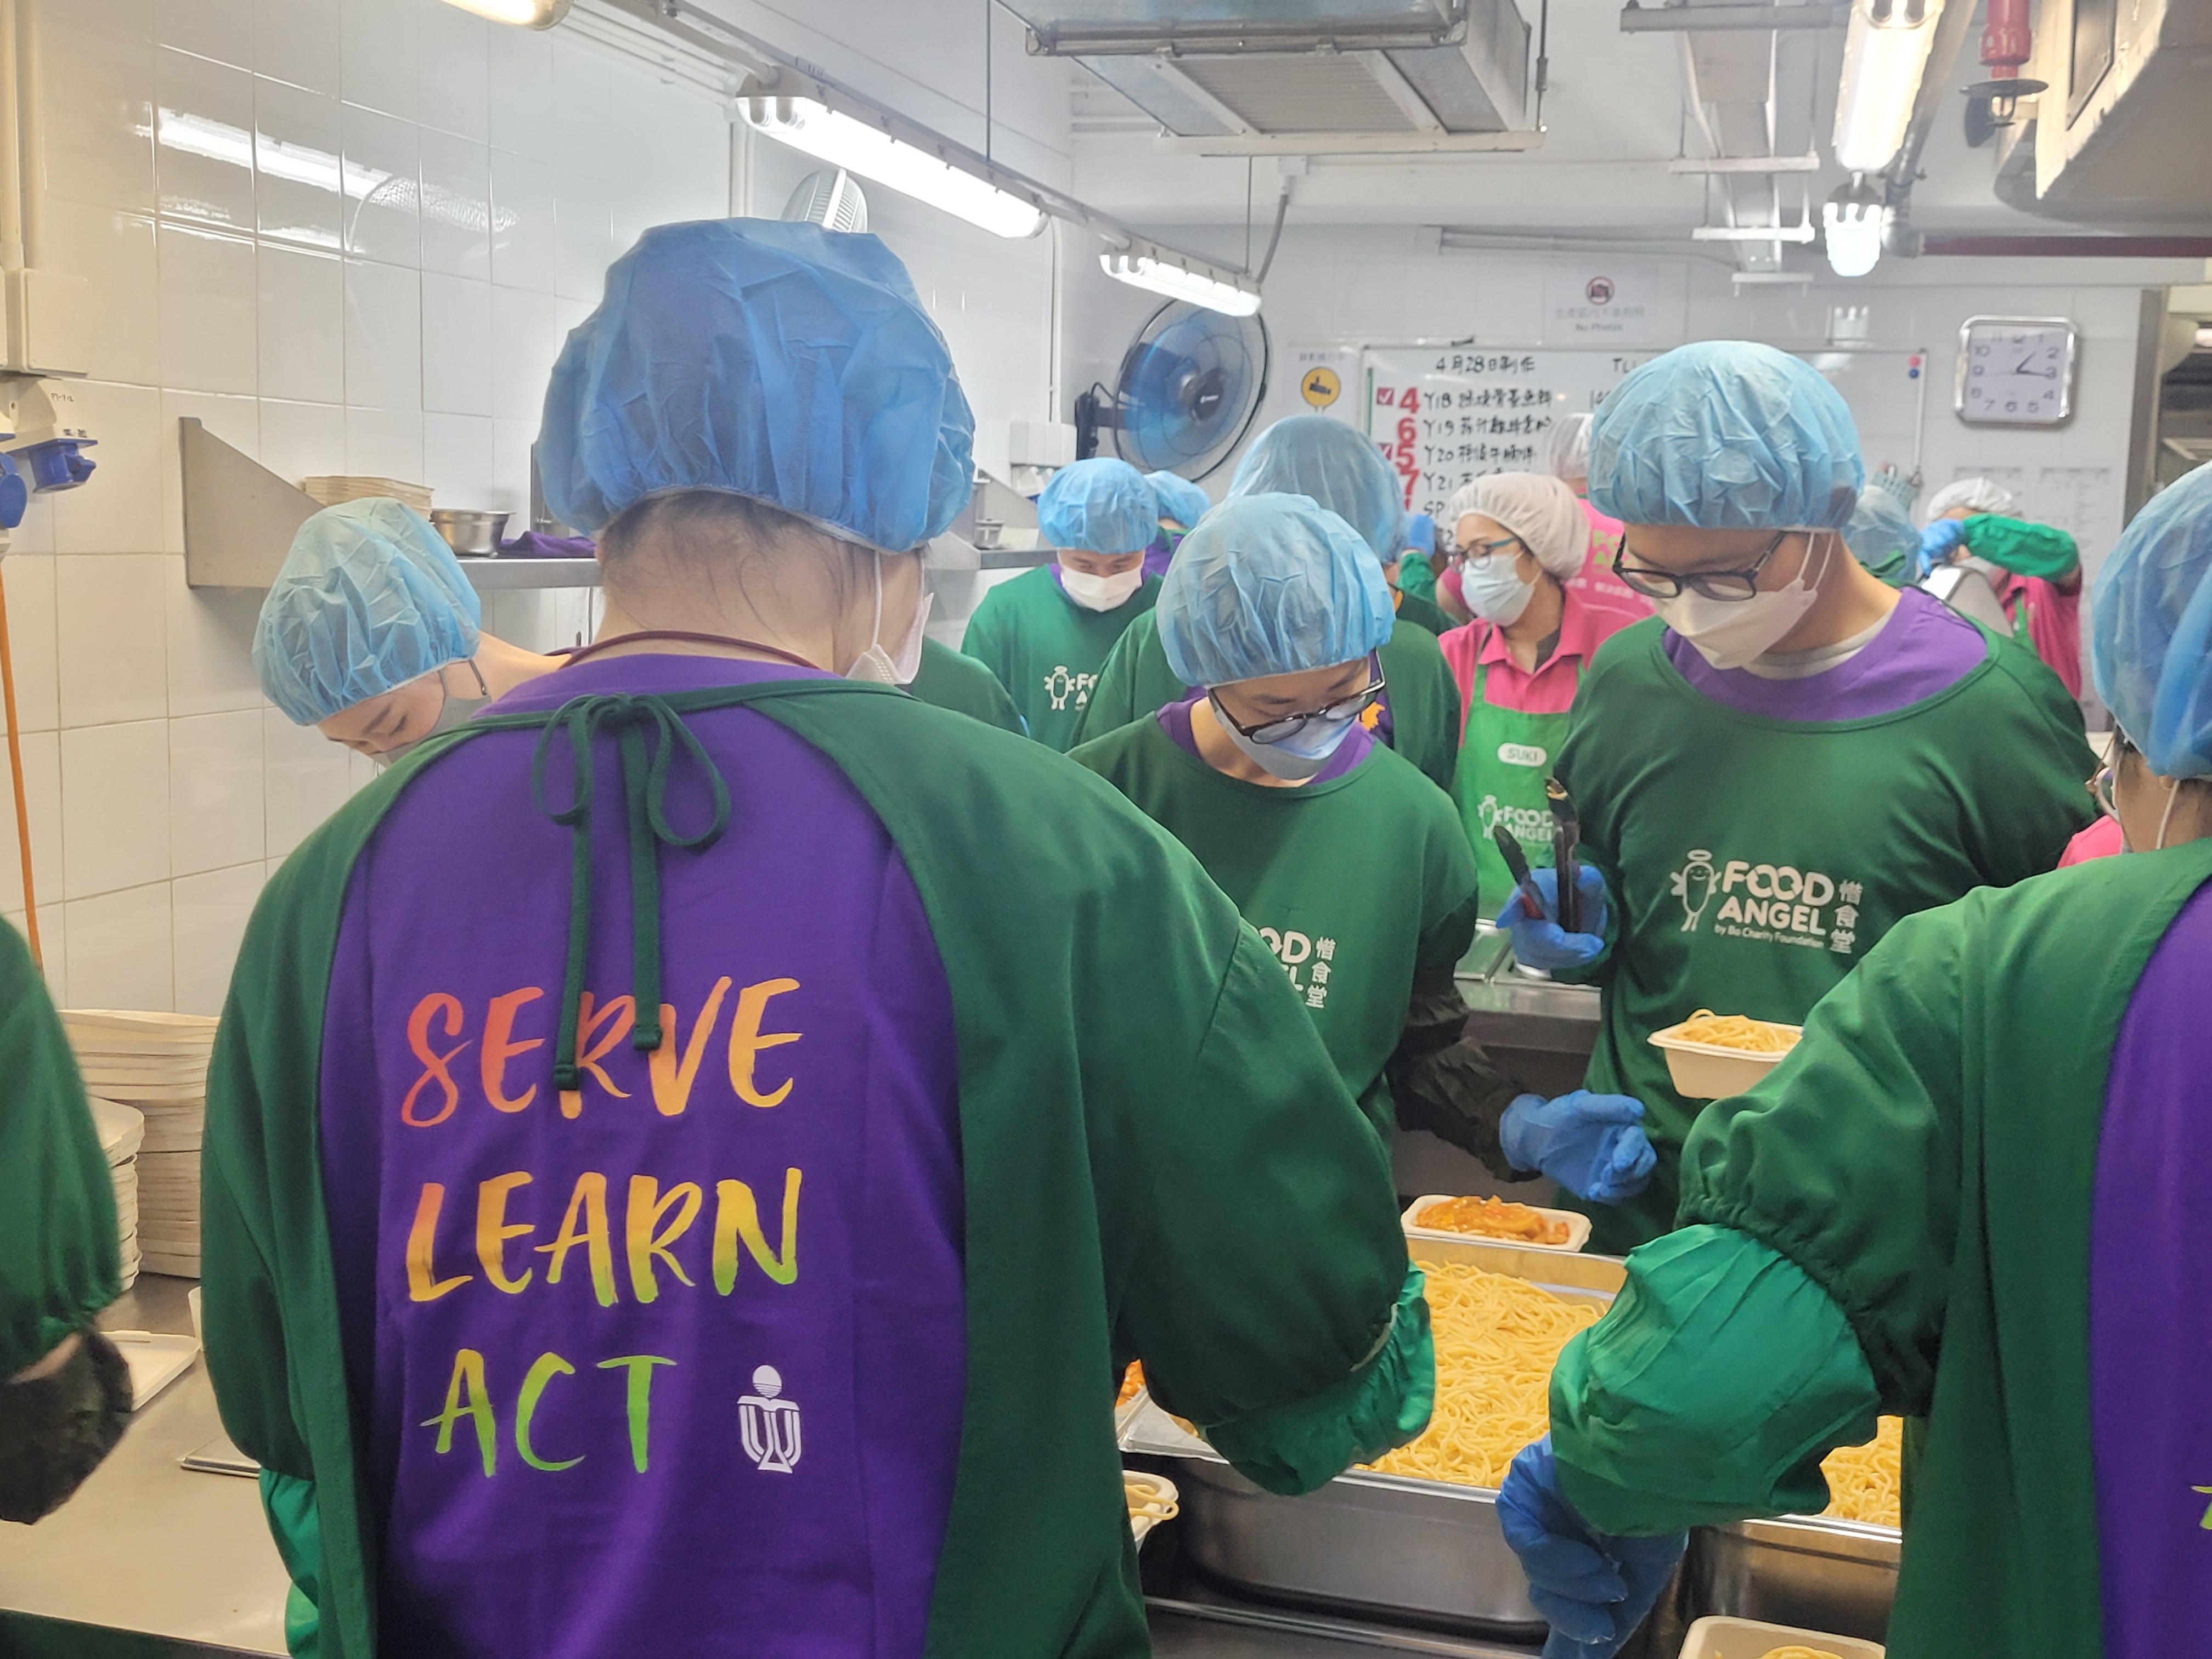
x,y
122,1132
156,1064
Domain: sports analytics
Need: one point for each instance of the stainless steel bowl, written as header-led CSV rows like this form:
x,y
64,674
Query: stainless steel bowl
x,y
472,535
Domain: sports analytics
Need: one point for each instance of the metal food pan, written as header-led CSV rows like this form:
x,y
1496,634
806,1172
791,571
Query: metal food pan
x,y
1838,1576
1410,1551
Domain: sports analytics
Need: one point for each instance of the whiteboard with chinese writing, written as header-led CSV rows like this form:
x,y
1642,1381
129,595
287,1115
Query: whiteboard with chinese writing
x,y
1442,416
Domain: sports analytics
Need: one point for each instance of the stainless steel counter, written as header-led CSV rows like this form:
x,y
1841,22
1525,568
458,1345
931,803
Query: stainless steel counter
x,y
1512,1010
182,1559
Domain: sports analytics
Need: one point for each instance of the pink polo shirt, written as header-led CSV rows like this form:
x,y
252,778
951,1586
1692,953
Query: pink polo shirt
x,y
1585,623
1595,580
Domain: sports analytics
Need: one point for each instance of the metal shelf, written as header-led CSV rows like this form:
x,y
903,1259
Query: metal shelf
x,y
499,575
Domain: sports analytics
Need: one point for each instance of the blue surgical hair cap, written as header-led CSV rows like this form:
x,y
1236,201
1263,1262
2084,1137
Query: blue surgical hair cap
x,y
1270,584
1180,499
1338,466
1099,505
368,598
783,362
2150,631
1726,434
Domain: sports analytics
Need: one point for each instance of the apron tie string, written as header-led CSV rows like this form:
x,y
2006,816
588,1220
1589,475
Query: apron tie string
x,y
632,721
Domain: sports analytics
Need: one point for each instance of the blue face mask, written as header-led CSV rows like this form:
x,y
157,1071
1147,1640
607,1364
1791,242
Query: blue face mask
x,y
1303,754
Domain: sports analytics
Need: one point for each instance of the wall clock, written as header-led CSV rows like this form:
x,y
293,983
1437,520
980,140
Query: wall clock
x,y
2015,371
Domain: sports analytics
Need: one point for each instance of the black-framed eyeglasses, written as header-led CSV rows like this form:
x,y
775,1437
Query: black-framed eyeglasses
x,y
1730,586
1282,727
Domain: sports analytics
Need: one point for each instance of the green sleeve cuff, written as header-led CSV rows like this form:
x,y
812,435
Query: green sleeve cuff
x,y
2024,549
1415,577
1383,1403
296,1526
1711,1392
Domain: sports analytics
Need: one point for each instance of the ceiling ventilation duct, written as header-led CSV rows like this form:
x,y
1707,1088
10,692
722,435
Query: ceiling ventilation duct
x,y
1305,76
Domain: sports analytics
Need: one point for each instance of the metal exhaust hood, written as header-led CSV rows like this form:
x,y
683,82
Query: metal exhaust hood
x,y
1286,75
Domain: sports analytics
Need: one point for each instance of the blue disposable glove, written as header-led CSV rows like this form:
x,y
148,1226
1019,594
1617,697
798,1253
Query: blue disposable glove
x,y
1592,1145
1594,1589
1540,942
1939,541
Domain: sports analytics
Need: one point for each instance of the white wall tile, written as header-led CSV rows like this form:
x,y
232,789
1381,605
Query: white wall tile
x,y
302,440
111,624
97,89
210,912
382,43
114,252
383,335
523,112
220,29
209,633
203,139
307,780
299,138
215,810
115,807
51,947
236,421
120,510
526,337
383,185
583,213
42,782
457,345
456,205
29,579
526,245
120,954
302,326
208,322
510,471
385,443
298,42
455,90
457,460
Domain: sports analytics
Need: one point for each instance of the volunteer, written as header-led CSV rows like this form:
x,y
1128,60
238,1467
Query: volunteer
x,y
1969,1193
1413,582
2034,569
64,1389
1181,505
1791,757
1569,453
641,1119
1047,633
1350,864
1312,455
369,633
1517,665
952,679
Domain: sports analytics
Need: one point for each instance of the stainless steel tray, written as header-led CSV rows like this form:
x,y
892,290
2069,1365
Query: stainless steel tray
x,y
1423,1552
1838,1576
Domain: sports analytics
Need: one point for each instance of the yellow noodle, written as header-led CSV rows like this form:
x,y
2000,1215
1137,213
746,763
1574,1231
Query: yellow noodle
x,y
1864,1483
1756,1036
1797,1651
1496,1339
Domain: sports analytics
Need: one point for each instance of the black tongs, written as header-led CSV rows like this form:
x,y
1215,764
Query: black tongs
x,y
1566,835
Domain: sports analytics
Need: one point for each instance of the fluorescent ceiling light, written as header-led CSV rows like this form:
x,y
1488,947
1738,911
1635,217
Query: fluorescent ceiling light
x,y
527,13
1178,282
1885,54
834,136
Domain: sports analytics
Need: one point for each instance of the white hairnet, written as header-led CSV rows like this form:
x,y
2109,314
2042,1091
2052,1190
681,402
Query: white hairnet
x,y
1541,510
1569,455
1975,494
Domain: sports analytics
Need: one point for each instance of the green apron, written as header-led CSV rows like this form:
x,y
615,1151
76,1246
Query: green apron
x,y
1754,861
1502,769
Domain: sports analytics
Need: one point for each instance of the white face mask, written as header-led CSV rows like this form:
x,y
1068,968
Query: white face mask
x,y
1493,589
1730,633
1102,593
884,667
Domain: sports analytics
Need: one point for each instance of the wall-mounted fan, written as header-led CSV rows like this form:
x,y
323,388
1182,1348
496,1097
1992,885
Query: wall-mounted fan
x,y
1187,390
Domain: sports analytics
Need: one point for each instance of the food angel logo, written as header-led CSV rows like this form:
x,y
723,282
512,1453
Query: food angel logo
x,y
770,1424
1693,884
1057,686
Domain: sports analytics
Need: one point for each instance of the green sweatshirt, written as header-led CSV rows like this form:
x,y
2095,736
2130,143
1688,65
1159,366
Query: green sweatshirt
x,y
1046,650
952,679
